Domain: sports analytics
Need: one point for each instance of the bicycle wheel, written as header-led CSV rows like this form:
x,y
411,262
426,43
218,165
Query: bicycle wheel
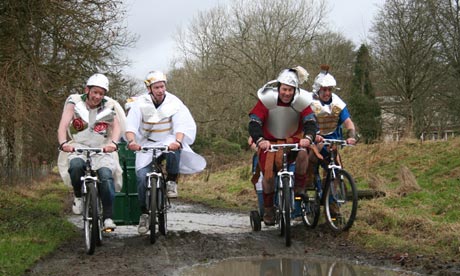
x,y
162,212
90,218
255,220
310,206
153,209
341,201
100,221
286,214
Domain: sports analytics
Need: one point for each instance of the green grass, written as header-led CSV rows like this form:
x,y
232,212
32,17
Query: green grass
x,y
32,224
420,222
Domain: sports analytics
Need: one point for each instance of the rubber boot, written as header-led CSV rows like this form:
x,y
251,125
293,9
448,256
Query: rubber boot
x,y
269,216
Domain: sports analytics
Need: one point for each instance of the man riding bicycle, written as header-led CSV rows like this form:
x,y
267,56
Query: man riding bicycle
x,y
159,118
282,115
331,114
92,120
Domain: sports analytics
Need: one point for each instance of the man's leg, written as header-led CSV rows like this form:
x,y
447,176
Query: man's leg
x,y
141,180
107,192
301,164
172,168
76,171
268,195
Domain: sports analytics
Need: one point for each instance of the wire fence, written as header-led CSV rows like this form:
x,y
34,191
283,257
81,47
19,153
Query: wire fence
x,y
14,176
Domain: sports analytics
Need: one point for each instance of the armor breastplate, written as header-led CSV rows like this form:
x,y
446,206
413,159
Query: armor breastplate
x,y
94,124
283,121
156,123
328,115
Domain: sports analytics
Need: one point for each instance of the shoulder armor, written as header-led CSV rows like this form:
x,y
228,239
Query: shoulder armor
x,y
268,96
302,100
337,101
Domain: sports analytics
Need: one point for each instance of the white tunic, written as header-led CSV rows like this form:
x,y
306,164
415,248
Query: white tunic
x,y
93,134
158,126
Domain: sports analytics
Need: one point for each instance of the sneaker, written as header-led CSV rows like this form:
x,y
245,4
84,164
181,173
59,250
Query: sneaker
x,y
143,227
171,186
77,207
109,224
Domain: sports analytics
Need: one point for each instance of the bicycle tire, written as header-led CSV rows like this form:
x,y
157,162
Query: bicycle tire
x,y
311,209
340,201
286,214
162,210
254,218
100,221
153,209
90,219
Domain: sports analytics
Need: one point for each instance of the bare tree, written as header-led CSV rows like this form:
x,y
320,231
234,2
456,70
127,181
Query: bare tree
x,y
404,45
48,50
446,16
228,53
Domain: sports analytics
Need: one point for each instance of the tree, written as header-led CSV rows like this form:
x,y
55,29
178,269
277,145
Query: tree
x,y
407,61
446,17
228,54
363,104
49,48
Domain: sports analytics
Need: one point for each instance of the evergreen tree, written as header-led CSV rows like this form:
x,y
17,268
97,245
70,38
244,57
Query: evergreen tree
x,y
364,108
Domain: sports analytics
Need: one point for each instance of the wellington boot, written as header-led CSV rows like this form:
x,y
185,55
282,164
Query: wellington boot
x,y
269,216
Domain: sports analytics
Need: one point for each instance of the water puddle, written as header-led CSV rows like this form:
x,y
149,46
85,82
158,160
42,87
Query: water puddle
x,y
285,267
188,218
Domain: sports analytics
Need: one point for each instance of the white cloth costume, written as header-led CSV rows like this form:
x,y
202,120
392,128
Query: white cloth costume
x,y
94,131
158,127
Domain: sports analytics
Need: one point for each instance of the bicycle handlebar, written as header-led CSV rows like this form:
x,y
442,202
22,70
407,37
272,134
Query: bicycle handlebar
x,y
83,150
154,148
336,142
276,147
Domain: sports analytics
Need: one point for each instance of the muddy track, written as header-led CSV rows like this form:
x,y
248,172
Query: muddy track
x,y
133,254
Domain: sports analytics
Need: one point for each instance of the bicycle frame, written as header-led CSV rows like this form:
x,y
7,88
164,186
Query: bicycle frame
x,y
155,195
339,194
92,207
284,187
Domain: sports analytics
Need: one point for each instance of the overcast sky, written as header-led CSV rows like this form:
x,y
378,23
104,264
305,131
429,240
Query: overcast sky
x,y
156,21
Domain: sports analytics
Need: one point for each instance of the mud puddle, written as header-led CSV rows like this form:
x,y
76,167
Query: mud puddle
x,y
200,238
189,218
313,266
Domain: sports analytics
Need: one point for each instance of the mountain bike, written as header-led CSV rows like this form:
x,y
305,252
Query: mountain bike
x,y
284,192
156,196
339,193
92,204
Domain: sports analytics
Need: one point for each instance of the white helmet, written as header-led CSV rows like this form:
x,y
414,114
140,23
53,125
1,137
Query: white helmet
x,y
288,77
98,80
323,80
153,77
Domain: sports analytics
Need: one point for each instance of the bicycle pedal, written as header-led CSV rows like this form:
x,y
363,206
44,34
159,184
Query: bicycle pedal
x,y
108,230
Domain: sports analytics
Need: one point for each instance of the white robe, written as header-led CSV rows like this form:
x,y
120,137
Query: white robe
x,y
173,112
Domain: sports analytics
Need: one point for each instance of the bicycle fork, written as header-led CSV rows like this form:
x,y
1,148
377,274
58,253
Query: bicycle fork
x,y
290,175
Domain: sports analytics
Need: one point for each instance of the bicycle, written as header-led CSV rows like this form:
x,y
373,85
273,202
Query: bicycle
x,y
92,204
284,192
339,194
156,195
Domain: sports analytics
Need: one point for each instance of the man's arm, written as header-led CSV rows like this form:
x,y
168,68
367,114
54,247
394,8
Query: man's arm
x,y
66,117
351,132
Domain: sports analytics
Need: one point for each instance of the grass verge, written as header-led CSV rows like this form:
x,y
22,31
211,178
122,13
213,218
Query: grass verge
x,y
419,214
32,224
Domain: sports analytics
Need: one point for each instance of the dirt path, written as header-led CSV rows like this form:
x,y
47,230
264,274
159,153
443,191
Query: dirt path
x,y
127,253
